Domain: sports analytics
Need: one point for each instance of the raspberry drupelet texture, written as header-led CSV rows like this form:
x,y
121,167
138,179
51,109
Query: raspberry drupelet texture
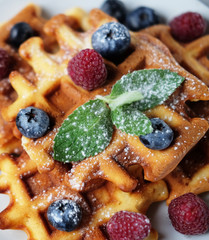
x,y
188,26
5,63
126,225
87,69
189,214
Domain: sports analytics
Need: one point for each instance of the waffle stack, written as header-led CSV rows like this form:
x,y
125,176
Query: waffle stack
x,y
126,175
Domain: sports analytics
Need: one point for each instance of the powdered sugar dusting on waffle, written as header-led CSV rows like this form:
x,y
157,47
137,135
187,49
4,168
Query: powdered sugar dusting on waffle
x,y
104,165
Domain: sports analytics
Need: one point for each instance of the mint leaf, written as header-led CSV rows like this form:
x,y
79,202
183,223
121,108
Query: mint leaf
x,y
155,85
129,119
86,132
122,99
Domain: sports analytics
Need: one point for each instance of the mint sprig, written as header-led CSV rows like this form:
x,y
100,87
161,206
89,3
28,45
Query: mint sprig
x,y
129,119
155,85
88,130
120,100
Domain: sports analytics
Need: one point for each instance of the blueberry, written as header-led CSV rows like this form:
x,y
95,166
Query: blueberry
x,y
19,33
114,8
32,122
140,18
160,138
64,215
111,40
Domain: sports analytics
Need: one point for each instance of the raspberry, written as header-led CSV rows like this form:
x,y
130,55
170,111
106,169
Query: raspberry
x,y
188,26
189,214
5,62
87,69
126,225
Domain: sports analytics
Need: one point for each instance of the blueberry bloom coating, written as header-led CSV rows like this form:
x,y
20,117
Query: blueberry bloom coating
x,y
115,8
160,138
32,122
140,18
64,215
111,40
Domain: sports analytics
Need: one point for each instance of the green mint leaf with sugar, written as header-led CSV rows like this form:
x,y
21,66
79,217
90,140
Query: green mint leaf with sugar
x,y
129,119
155,85
122,99
86,132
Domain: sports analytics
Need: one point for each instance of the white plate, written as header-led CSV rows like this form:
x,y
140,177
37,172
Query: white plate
x,y
167,9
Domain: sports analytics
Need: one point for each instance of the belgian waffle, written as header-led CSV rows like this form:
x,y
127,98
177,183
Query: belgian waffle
x,y
31,193
191,175
31,14
53,84
41,180
192,56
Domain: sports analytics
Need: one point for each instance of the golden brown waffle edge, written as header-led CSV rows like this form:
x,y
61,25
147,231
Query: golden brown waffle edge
x,y
42,166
